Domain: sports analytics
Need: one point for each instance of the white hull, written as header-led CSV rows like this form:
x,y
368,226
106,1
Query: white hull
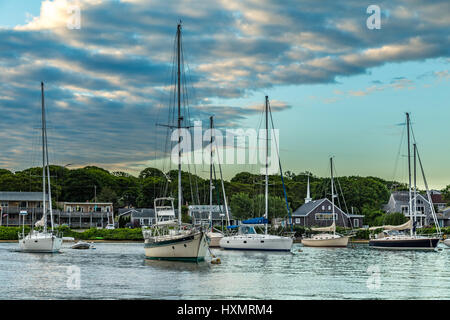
x,y
326,241
182,247
40,242
256,242
447,242
214,239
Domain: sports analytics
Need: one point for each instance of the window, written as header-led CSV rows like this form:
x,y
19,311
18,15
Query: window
x,y
329,207
4,204
421,209
325,216
297,220
356,223
405,209
323,207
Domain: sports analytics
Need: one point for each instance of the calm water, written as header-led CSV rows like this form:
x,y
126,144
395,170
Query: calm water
x,y
119,271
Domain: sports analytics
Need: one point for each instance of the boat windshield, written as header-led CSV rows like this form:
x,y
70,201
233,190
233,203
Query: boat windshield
x,y
247,230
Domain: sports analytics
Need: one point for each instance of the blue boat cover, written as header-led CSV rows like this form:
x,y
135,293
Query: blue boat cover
x,y
232,227
260,220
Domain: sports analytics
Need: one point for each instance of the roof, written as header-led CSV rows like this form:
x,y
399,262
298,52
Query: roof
x,y
140,212
204,215
403,196
21,196
437,198
90,203
306,208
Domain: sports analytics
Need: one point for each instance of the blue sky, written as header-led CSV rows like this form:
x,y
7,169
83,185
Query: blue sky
x,y
338,88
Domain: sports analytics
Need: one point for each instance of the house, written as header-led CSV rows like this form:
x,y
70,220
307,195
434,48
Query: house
x,y
139,216
443,217
438,200
85,214
319,213
73,214
11,203
399,202
200,213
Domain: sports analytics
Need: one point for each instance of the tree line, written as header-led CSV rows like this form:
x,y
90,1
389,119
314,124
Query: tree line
x,y
245,191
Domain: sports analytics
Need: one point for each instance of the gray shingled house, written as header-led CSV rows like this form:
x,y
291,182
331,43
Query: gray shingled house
x,y
318,213
399,202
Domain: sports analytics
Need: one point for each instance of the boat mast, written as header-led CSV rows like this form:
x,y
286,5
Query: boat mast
x,y
415,183
409,173
48,178
44,211
332,194
179,119
266,214
210,170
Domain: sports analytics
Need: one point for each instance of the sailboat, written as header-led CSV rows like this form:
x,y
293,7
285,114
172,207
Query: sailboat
x,y
42,241
391,237
329,238
247,238
214,236
168,238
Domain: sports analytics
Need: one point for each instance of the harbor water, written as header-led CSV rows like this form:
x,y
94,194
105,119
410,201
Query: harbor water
x,y
120,271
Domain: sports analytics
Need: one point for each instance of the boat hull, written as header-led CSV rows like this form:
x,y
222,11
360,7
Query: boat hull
x,y
40,243
181,248
331,242
214,239
447,242
405,244
256,242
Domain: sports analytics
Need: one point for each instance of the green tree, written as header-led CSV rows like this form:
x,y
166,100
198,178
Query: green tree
x,y
241,206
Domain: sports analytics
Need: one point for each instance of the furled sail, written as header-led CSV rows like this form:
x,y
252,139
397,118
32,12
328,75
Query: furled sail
x,y
406,225
41,222
326,229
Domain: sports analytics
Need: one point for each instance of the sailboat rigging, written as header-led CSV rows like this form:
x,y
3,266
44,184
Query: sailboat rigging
x,y
169,239
43,241
247,238
327,239
391,238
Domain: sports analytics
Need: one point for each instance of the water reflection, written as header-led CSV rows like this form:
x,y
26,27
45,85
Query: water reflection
x,y
178,265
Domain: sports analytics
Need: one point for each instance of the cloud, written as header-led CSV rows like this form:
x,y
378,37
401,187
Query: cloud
x,y
109,83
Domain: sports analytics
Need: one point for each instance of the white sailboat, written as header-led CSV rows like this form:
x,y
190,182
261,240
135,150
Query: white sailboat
x,y
392,238
247,238
42,241
169,239
329,238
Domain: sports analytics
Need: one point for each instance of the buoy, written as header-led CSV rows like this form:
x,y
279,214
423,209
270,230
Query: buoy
x,y
215,261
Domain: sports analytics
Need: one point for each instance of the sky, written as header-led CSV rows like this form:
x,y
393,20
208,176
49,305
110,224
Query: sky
x,y
337,88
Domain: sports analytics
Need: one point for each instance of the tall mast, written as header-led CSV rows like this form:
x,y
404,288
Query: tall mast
x,y
48,175
332,193
409,171
415,184
210,171
179,118
266,213
44,211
